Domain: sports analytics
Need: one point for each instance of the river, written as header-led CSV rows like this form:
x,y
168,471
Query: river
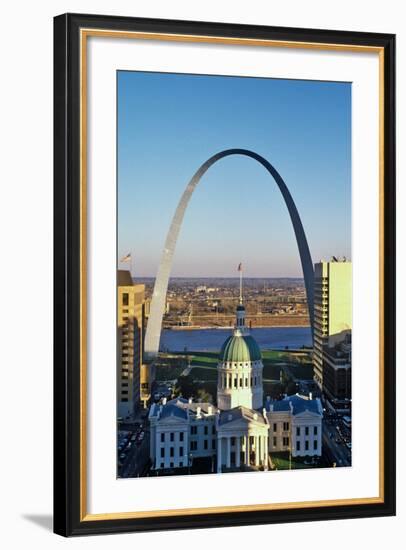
x,y
212,339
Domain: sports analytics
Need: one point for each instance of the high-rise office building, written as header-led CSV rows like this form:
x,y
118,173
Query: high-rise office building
x,y
337,375
130,336
332,310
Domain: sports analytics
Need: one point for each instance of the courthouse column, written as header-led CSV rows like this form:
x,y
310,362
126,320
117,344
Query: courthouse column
x,y
257,450
219,442
260,449
247,450
228,456
265,452
238,452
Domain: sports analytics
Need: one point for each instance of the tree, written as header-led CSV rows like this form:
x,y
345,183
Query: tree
x,y
204,396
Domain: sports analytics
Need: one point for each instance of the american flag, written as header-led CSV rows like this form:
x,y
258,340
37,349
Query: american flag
x,y
239,267
126,258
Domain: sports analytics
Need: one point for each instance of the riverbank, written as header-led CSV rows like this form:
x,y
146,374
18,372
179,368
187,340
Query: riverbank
x,y
201,327
212,339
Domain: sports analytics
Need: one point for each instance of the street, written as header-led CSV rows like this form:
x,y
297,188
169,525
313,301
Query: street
x,y
137,457
333,444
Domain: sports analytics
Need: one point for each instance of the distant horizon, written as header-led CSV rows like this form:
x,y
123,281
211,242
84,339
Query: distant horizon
x,y
216,277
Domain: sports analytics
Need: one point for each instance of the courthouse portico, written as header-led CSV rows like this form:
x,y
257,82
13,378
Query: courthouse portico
x,y
242,439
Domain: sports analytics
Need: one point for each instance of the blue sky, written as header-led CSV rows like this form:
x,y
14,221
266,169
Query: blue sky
x,y
169,124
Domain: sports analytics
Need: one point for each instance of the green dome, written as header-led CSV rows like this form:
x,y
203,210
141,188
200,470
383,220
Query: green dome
x,y
240,349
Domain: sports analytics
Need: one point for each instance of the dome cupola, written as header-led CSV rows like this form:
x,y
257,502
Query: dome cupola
x,y
240,348
240,366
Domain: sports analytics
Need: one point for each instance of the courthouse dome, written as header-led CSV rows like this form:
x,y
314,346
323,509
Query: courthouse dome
x,y
240,348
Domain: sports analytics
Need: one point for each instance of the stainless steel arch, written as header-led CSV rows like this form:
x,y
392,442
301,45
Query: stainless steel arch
x,y
153,331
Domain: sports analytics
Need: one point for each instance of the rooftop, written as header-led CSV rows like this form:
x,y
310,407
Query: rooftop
x,y
173,410
182,408
295,403
240,348
244,413
124,278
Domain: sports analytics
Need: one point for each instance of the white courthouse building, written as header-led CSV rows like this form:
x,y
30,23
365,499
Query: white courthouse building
x,y
244,430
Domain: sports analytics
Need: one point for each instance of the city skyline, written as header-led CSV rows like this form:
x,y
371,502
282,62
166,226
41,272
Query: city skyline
x,y
159,150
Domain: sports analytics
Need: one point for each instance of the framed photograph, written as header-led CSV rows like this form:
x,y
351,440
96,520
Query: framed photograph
x,y
224,257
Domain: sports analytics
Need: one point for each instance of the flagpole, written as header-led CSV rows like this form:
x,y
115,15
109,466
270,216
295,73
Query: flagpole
x,y
125,260
241,285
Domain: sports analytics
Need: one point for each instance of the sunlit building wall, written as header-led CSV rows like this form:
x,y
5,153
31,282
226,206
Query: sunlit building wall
x,y
332,309
130,334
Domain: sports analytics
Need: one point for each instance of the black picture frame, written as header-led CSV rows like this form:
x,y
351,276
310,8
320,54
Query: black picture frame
x,y
67,351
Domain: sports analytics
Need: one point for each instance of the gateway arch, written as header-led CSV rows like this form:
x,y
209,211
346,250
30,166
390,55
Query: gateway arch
x,y
153,332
